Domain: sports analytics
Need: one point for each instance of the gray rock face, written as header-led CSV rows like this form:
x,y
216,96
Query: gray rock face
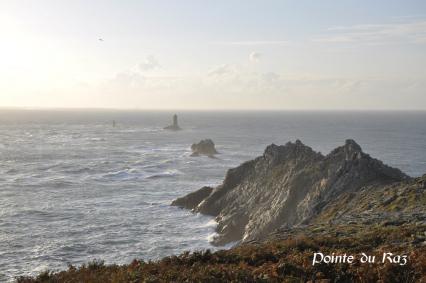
x,y
193,199
174,126
399,204
288,186
204,147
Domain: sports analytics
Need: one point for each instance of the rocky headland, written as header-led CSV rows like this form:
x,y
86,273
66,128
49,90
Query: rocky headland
x,y
292,185
204,147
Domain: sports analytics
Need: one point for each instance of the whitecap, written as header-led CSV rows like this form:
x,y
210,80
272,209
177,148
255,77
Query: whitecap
x,y
210,238
40,268
126,174
211,223
166,174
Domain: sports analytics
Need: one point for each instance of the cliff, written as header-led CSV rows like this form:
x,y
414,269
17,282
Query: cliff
x,y
287,186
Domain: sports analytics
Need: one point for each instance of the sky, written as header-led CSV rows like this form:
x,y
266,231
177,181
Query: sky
x,y
213,54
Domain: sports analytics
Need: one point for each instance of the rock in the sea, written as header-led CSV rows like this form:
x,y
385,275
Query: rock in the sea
x,y
174,126
287,186
204,147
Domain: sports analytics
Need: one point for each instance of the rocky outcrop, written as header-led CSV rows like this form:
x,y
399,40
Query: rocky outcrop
x,y
289,185
174,126
204,147
193,199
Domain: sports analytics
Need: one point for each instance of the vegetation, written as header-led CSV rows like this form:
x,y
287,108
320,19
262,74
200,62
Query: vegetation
x,y
280,259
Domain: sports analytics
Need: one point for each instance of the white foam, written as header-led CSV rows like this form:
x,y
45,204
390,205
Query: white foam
x,y
211,223
212,236
168,173
40,268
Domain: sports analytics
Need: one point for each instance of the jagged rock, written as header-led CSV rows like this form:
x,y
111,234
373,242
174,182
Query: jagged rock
x,y
191,200
174,126
287,186
204,147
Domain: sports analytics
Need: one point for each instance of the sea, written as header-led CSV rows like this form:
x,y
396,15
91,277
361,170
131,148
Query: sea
x,y
75,188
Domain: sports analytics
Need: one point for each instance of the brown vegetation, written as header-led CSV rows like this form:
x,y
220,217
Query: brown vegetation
x,y
278,260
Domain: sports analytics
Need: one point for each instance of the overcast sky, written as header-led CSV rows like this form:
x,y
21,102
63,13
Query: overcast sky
x,y
227,54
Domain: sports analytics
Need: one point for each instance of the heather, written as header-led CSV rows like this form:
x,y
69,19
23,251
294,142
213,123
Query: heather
x,y
278,259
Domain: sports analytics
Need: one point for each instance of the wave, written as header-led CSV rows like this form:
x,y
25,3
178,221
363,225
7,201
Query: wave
x,y
40,268
79,171
211,223
134,174
152,129
143,130
166,174
33,213
210,238
123,175
96,139
159,165
75,247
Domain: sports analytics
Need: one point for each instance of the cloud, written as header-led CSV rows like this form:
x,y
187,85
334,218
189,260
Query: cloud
x,y
244,86
149,64
406,32
221,70
255,56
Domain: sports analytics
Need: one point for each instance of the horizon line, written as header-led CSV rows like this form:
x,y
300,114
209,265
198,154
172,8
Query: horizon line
x,y
29,108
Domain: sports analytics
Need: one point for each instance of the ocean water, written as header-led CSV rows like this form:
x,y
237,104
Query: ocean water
x,y
73,188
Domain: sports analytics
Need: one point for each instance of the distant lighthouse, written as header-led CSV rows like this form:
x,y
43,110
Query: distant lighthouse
x,y
175,125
